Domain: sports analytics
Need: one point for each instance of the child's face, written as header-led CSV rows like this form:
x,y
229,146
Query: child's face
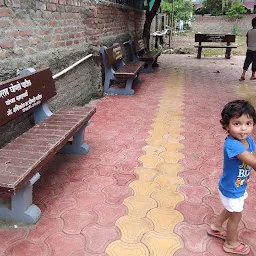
x,y
240,127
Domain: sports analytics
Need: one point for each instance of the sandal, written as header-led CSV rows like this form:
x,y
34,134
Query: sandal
x,y
216,233
241,249
242,78
252,78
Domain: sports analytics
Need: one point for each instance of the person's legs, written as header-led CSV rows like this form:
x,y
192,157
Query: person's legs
x,y
247,62
253,77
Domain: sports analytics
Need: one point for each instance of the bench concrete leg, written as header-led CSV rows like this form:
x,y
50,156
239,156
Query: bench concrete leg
x,y
123,91
155,64
77,145
148,67
228,53
41,112
199,52
21,207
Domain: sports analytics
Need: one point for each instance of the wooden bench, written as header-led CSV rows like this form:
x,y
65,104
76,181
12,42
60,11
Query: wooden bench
x,y
139,53
215,38
23,159
118,72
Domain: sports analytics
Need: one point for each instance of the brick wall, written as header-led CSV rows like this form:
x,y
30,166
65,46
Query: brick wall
x,y
221,24
56,34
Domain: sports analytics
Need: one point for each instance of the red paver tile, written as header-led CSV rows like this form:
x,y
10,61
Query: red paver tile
x,y
75,221
116,194
195,237
44,228
103,236
87,200
28,249
195,217
63,244
108,214
9,236
193,194
55,206
97,183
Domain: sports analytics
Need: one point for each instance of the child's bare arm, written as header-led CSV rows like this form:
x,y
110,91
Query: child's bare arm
x,y
248,158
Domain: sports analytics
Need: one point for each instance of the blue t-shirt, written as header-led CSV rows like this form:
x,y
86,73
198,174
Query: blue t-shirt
x,y
233,181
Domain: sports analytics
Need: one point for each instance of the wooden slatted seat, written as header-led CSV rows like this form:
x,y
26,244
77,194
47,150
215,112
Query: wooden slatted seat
x,y
139,53
23,159
119,72
215,38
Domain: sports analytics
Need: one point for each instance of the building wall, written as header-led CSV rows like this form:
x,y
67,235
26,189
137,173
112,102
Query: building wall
x,y
221,24
56,34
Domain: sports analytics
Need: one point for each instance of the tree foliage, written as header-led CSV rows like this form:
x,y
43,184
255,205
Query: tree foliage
x,y
236,10
178,9
213,7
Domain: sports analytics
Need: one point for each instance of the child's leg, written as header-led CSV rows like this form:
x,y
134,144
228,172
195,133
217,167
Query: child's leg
x,y
232,226
253,77
217,224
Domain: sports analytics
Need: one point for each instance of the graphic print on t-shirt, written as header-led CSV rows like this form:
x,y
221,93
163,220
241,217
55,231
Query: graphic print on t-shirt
x,y
243,175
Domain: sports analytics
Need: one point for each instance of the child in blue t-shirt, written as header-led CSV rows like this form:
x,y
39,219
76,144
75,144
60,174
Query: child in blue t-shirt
x,y
237,118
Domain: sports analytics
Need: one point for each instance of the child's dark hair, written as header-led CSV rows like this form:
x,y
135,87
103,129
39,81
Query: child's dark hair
x,y
236,108
254,22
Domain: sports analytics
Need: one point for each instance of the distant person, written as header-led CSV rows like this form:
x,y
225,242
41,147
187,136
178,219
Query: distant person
x,y
238,119
251,51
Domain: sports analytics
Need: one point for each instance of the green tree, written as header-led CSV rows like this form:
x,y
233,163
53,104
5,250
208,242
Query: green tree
x,y
236,11
178,9
217,7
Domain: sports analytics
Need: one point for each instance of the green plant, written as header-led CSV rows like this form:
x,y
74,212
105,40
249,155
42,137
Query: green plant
x,y
178,9
236,11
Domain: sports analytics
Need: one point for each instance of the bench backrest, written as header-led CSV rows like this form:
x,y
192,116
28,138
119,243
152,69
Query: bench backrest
x,y
215,38
114,54
139,45
20,94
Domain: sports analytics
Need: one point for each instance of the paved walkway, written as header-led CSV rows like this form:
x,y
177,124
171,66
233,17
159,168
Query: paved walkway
x,y
149,184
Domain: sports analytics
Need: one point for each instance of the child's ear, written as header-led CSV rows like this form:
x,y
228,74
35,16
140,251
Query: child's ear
x,y
226,128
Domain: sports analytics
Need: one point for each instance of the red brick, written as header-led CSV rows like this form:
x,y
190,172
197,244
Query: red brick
x,y
3,54
4,23
7,44
63,2
51,7
22,42
6,12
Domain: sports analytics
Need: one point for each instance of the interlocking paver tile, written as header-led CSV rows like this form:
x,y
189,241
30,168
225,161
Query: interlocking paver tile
x,y
138,206
162,244
132,229
164,219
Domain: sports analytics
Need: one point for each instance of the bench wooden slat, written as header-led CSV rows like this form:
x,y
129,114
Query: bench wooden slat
x,y
215,46
130,70
21,154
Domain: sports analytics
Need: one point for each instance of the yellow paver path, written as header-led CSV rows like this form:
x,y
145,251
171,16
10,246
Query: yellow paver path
x,y
148,227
